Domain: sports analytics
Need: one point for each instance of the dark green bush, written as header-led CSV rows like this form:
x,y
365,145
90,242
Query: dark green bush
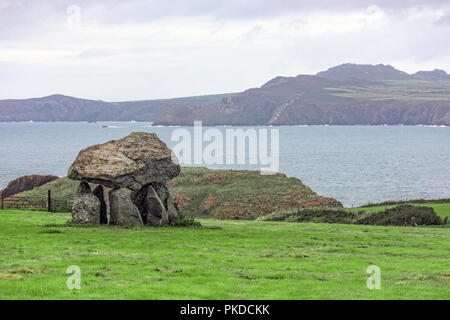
x,y
185,221
325,215
50,231
415,201
404,215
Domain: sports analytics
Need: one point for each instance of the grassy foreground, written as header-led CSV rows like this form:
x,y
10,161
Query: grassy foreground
x,y
221,260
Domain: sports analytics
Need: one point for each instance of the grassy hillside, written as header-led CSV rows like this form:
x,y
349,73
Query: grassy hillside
x,y
61,189
221,260
348,94
65,108
407,90
182,100
151,110
390,97
240,194
221,193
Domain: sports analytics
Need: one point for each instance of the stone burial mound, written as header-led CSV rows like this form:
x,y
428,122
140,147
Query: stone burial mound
x,y
124,182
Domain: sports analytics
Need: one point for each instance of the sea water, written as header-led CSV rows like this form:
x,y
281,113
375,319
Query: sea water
x,y
353,164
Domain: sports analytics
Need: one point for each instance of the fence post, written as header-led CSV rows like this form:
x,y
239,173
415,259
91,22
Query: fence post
x,y
49,200
3,198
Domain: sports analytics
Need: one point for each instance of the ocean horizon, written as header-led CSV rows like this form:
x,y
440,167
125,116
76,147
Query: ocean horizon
x,y
353,164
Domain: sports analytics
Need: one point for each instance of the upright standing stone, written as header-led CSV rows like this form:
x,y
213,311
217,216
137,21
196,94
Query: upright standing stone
x,y
85,206
156,212
122,210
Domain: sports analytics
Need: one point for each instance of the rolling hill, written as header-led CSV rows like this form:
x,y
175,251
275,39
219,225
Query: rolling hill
x,y
349,94
64,108
345,95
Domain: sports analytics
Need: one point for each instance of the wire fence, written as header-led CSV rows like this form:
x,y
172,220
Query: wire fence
x,y
36,203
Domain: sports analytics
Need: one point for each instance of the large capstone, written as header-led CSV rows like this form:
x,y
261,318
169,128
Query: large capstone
x,y
131,162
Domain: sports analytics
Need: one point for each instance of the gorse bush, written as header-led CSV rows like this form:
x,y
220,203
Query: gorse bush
x,y
404,215
324,215
185,221
400,202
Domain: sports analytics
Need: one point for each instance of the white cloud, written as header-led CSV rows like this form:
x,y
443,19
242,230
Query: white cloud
x,y
210,51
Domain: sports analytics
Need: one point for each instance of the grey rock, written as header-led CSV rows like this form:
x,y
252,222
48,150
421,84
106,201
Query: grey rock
x,y
172,210
157,214
162,191
122,210
132,162
86,209
84,187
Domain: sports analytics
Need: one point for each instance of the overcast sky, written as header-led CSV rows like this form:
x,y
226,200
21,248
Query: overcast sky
x,y
144,49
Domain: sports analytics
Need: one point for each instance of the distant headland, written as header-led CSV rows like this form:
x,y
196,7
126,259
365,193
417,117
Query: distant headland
x,y
349,94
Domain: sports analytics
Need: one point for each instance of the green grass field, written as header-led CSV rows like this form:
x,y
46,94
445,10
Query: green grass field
x,y
223,259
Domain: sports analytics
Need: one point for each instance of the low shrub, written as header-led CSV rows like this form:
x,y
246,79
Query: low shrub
x,y
50,231
415,201
185,221
403,215
324,215
327,216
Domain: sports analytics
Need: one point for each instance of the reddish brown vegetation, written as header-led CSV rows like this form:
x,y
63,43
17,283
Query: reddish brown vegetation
x,y
252,207
210,202
26,183
215,178
219,177
182,200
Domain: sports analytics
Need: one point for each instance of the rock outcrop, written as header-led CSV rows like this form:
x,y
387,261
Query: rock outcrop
x,y
129,178
26,183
